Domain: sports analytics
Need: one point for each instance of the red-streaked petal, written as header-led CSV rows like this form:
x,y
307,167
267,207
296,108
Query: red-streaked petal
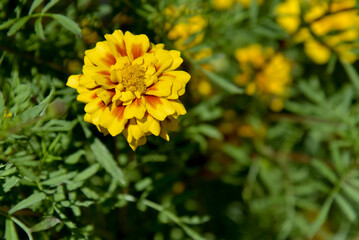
x,y
159,108
136,45
116,42
101,55
136,109
118,121
160,89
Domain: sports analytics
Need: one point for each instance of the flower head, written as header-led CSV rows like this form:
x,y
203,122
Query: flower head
x,y
130,86
265,72
182,31
330,26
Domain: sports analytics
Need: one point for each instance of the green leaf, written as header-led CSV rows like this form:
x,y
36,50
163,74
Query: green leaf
x,y
16,27
253,11
90,193
49,5
59,179
193,234
352,74
67,23
35,111
29,201
346,208
322,216
104,157
223,83
324,170
210,131
153,157
143,184
7,23
2,107
8,172
75,157
39,29
238,153
10,183
10,230
351,192
90,171
34,5
45,224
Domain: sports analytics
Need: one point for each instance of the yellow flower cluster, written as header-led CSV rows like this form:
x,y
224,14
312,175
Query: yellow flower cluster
x,y
191,27
130,86
265,72
200,83
330,26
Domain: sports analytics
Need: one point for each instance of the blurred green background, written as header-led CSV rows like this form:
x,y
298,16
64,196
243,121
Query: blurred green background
x,y
269,148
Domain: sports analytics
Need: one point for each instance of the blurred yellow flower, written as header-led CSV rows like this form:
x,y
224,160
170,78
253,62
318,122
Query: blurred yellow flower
x,y
288,15
330,26
130,85
180,33
264,72
222,4
200,82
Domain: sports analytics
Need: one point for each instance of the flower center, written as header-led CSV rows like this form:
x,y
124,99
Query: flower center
x,y
133,78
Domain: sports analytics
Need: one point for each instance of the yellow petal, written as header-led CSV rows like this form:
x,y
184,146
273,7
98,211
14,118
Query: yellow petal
x,y
88,118
149,124
118,121
136,109
96,115
101,55
105,95
87,96
91,70
87,81
159,108
179,80
177,60
127,97
132,141
94,105
164,134
160,89
104,81
178,106
164,62
73,81
136,45
319,53
134,130
106,118
116,43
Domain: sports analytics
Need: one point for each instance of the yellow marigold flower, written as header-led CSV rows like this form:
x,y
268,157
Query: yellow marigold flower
x,y
263,71
288,15
130,86
222,4
183,30
335,23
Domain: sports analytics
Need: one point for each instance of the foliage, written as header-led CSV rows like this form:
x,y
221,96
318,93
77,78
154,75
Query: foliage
x,y
248,162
